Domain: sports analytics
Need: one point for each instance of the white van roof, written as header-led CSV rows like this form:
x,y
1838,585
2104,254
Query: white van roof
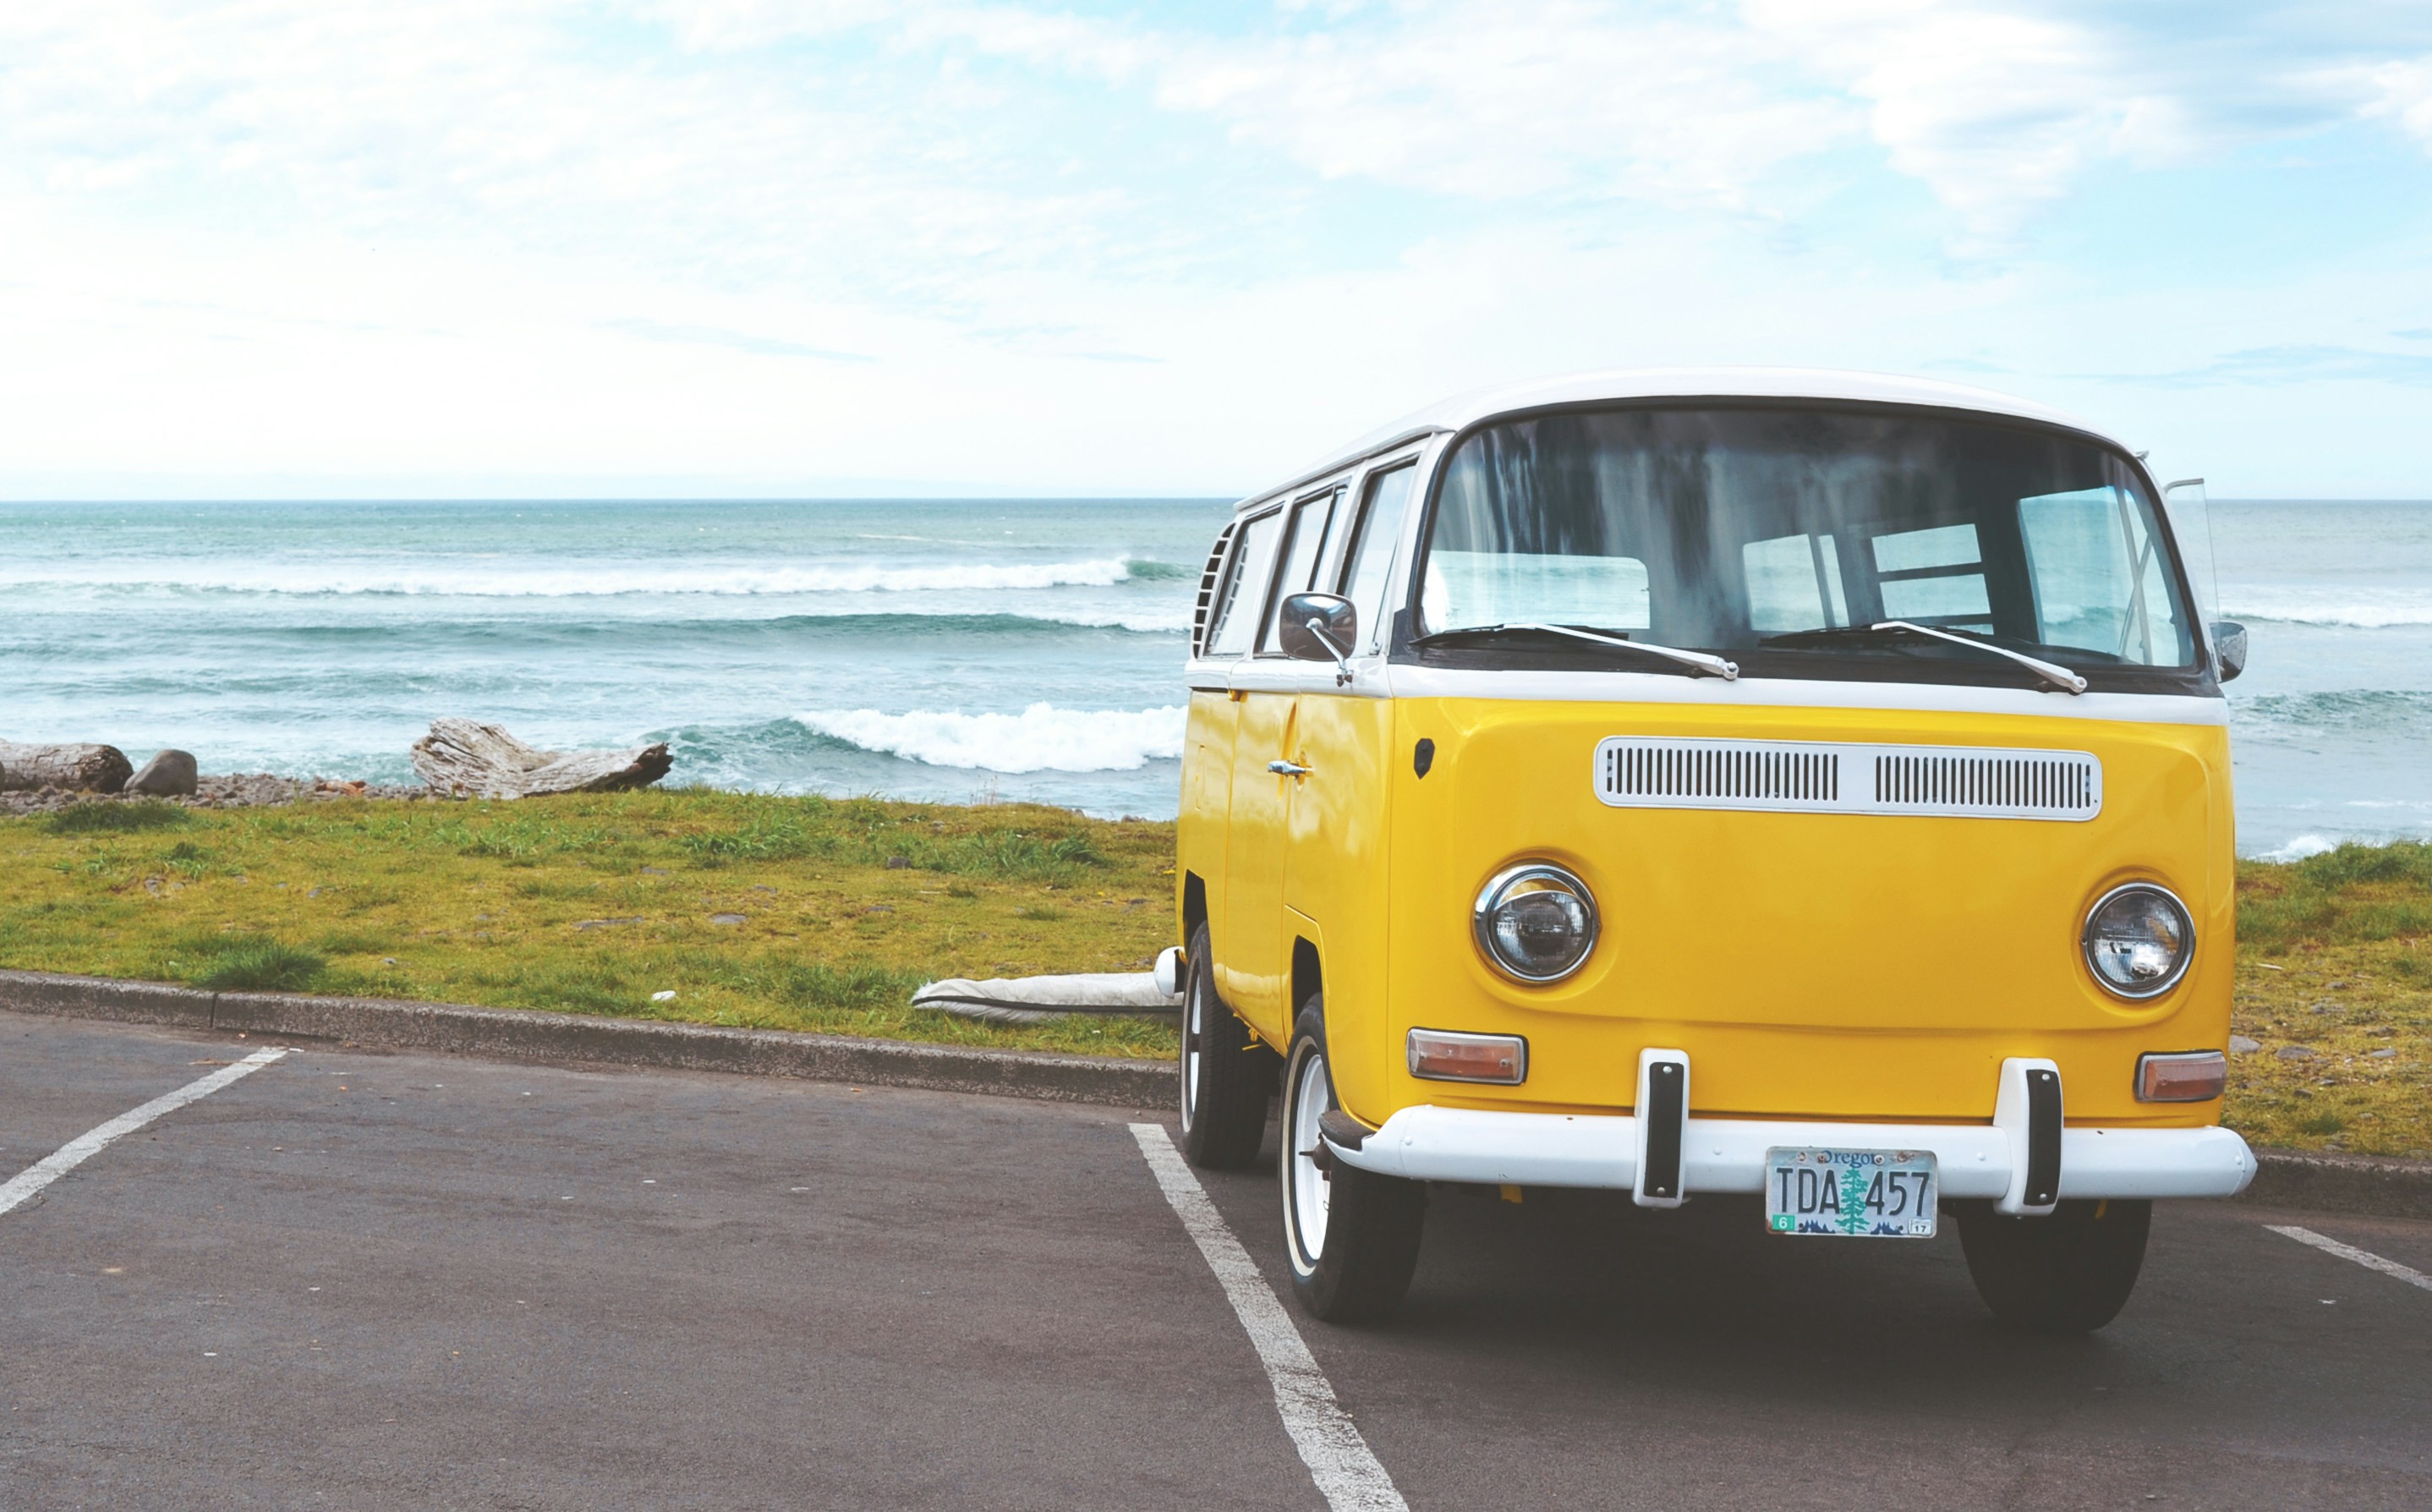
x,y
1685,382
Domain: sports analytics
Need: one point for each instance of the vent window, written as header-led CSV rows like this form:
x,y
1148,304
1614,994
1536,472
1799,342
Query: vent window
x,y
1207,592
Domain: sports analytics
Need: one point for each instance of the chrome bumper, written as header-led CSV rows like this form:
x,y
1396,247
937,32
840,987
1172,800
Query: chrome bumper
x,y
1729,1154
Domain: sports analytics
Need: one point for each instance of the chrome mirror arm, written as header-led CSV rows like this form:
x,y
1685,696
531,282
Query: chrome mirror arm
x,y
1316,627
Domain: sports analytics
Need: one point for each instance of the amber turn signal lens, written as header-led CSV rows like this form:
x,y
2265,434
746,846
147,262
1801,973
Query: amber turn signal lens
x,y
1444,1055
2198,1077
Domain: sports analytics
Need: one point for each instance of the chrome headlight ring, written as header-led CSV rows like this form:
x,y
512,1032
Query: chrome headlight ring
x,y
2127,929
1536,923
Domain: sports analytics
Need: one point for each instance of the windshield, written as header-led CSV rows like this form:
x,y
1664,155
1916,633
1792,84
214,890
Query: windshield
x,y
1794,531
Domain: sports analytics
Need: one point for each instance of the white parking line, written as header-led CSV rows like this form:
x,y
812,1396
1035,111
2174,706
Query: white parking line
x,y
2348,1251
21,1186
1338,1458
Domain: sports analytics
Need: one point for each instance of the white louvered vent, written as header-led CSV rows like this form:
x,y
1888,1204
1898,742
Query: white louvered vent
x,y
1825,777
1208,589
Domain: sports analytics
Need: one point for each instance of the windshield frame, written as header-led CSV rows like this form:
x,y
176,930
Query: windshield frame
x,y
1949,666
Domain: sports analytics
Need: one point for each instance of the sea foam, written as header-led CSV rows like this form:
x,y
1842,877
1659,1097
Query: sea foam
x,y
556,580
1041,737
2357,607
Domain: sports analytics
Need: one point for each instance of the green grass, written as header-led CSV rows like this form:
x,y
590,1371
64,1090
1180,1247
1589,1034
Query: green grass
x,y
488,902
115,818
244,962
2335,961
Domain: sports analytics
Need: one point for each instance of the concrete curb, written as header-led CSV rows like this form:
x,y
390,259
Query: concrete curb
x,y
581,1039
2366,1184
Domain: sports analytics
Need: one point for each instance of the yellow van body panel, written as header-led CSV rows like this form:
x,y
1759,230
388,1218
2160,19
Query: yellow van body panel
x,y
1254,958
1875,967
1337,884
1207,794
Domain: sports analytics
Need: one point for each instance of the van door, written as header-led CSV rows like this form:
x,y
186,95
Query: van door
x,y
1254,964
1336,823
1207,752
1212,788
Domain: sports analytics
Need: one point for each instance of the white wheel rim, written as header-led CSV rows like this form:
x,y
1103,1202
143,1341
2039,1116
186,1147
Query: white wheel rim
x,y
1191,1035
1310,1187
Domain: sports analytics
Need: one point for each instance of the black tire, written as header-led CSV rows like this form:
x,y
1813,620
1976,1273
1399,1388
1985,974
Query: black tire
x,y
1366,1227
1226,1074
2070,1272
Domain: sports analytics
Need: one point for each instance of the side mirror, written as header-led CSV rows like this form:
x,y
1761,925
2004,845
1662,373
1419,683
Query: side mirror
x,y
2228,648
1318,627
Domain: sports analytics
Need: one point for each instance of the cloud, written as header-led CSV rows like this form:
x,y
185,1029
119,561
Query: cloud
x,y
2304,365
738,341
2398,92
913,152
552,236
1520,99
1997,112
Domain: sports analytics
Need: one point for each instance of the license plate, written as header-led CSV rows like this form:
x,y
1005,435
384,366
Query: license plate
x,y
1859,1194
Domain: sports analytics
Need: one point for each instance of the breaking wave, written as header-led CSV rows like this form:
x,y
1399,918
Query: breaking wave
x,y
2350,716
1041,737
2349,607
560,581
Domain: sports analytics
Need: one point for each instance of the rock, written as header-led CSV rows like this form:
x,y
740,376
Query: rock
x,y
602,924
467,757
2294,1052
726,918
899,863
2381,1055
168,775
76,768
2241,1044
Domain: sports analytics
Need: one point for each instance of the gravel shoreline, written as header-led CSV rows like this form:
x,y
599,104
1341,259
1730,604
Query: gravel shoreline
x,y
242,789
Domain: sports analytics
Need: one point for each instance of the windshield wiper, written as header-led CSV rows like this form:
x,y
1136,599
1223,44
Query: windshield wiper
x,y
2052,673
1697,662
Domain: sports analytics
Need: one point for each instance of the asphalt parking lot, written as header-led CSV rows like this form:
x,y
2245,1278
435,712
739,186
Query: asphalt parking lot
x,y
372,1280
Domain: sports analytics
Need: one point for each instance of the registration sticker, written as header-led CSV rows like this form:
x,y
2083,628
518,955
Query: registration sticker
x,y
1857,1194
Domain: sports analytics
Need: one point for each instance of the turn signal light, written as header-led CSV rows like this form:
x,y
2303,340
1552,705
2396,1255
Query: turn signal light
x,y
1445,1055
2196,1077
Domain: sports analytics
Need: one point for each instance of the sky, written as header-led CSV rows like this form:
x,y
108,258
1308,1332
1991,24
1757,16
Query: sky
x,y
817,247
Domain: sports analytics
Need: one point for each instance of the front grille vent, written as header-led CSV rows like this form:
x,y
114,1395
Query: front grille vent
x,y
1802,777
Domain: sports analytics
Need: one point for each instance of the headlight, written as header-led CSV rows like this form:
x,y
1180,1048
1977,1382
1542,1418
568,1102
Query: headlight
x,y
2139,940
1536,923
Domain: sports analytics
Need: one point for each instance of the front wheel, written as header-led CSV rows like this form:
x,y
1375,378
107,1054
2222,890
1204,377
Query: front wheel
x,y
1227,1075
2068,1272
1353,1235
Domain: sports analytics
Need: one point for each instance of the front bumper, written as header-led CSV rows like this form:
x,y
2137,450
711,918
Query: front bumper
x,y
1728,1154
1988,1160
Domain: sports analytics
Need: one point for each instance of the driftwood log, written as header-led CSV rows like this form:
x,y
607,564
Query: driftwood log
x,y
79,768
465,756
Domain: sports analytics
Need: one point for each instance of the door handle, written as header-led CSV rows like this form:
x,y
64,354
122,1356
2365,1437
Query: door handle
x,y
1282,768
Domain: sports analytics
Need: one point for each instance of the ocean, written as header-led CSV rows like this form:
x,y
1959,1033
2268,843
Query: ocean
x,y
944,650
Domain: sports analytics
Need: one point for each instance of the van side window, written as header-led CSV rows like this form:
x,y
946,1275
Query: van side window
x,y
2098,576
1794,582
1244,598
1371,554
1313,525
1934,576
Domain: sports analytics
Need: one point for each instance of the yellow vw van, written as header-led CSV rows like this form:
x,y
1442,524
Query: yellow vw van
x,y
1811,787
